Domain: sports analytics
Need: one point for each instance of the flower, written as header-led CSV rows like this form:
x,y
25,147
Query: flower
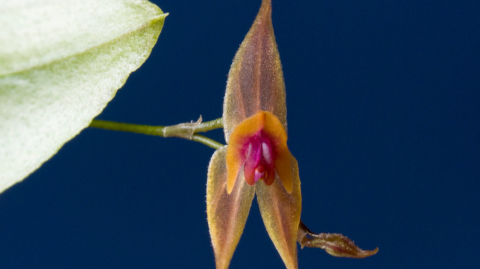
x,y
257,159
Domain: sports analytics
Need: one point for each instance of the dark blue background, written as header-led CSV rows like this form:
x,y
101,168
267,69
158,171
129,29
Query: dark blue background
x,y
384,119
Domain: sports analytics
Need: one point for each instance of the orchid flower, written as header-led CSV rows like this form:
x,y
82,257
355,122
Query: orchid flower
x,y
257,159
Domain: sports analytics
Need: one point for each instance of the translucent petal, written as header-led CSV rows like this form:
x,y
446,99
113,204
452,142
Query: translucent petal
x,y
227,213
281,214
274,128
240,136
283,166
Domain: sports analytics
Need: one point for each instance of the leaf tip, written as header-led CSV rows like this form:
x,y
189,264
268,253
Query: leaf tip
x,y
158,18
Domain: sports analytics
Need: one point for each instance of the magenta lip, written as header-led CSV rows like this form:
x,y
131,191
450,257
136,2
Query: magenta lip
x,y
258,158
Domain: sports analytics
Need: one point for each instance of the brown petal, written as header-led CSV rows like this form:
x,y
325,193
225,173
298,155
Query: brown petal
x,y
334,244
255,81
227,213
281,214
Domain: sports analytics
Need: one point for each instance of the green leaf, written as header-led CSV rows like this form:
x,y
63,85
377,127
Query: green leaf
x,y
61,62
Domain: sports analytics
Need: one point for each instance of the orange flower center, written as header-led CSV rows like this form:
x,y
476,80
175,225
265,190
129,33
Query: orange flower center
x,y
258,145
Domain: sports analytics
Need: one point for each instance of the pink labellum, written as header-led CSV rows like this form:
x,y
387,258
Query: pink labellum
x,y
259,159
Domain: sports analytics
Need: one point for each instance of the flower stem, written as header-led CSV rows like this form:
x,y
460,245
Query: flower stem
x,y
182,130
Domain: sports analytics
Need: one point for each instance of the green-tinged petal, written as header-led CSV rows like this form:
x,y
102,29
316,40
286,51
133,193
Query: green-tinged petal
x,y
227,213
281,214
255,81
61,62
